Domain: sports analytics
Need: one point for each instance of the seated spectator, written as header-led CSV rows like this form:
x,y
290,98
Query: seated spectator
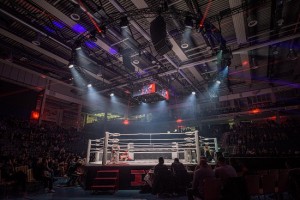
x,y
204,172
9,174
73,173
162,178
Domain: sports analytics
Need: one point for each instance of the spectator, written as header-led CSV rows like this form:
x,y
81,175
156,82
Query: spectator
x,y
47,176
204,172
180,176
224,171
162,178
9,174
73,173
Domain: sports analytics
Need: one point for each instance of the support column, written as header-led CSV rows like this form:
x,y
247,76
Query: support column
x,y
277,117
79,117
42,106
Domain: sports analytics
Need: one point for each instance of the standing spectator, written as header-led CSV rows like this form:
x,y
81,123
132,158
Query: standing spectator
x,y
162,178
204,172
180,175
47,176
224,171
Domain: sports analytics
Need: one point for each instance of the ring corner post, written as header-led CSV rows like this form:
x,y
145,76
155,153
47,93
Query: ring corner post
x,y
104,158
197,146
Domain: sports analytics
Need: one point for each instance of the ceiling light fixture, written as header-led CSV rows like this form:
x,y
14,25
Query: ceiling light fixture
x,y
89,85
252,21
184,45
275,50
188,21
36,40
71,64
135,61
218,82
292,55
75,15
112,94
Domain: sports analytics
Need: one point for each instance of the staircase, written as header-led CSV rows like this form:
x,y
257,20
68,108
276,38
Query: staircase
x,y
106,180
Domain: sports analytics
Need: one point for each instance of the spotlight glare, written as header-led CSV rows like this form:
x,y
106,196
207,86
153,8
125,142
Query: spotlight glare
x,y
218,82
112,94
193,93
89,85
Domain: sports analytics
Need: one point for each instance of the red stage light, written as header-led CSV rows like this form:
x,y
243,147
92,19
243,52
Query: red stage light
x,y
126,122
178,120
35,115
245,62
256,111
272,118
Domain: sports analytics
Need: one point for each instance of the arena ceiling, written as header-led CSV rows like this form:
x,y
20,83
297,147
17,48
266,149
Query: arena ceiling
x,y
261,39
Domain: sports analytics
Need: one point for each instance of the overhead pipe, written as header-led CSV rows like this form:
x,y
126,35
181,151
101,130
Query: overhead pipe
x,y
33,28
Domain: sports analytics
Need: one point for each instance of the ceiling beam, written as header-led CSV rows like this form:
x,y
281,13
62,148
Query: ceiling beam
x,y
241,50
32,46
147,36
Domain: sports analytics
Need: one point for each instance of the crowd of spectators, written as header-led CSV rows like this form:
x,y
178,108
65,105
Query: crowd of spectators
x,y
263,139
48,151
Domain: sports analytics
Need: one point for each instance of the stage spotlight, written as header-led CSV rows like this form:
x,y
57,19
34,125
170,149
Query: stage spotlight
x,y
124,22
184,45
193,93
75,15
275,50
93,36
292,55
89,85
36,40
112,94
188,22
218,82
135,61
71,64
252,21
77,45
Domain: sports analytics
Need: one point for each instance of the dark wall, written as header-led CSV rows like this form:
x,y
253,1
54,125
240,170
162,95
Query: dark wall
x,y
16,101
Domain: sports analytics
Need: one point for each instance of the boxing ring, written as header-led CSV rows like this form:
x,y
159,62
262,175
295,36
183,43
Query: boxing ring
x,y
145,148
